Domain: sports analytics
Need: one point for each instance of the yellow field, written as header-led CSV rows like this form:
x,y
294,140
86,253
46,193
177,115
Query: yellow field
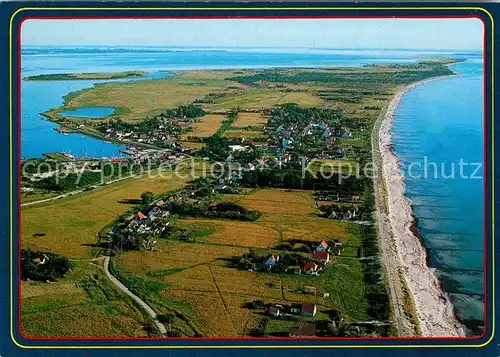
x,y
330,165
72,223
238,233
278,201
292,215
249,119
216,291
207,126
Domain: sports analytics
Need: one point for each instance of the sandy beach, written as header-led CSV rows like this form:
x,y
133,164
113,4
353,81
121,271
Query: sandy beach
x,y
433,307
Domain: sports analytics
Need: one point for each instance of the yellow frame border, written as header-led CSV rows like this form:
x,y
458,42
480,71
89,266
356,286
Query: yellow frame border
x,y
166,9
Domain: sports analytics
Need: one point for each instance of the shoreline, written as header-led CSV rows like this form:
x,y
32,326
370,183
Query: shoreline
x,y
433,306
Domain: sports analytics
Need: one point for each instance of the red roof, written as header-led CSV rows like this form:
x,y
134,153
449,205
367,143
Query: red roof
x,y
308,308
310,266
320,255
140,215
324,244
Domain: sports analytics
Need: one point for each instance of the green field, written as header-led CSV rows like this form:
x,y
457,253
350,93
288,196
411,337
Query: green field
x,y
83,304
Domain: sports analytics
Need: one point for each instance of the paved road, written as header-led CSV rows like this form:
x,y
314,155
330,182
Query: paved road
x,y
95,186
388,253
137,299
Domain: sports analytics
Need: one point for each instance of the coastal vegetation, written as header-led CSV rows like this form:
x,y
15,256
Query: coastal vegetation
x,y
83,76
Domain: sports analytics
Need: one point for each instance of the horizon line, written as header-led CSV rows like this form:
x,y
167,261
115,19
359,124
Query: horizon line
x,y
256,47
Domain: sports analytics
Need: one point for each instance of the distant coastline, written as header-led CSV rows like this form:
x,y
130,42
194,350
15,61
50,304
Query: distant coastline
x,y
85,76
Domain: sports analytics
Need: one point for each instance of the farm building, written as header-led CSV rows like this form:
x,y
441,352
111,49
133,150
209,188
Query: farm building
x,y
323,257
308,310
272,260
159,203
274,311
140,215
337,248
309,289
304,330
322,247
310,268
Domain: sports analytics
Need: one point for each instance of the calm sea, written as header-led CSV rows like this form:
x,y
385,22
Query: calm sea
x,y
437,126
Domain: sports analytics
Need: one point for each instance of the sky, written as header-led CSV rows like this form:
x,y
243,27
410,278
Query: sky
x,y
435,34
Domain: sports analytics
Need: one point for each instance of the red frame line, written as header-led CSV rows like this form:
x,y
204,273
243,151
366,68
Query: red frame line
x,y
242,338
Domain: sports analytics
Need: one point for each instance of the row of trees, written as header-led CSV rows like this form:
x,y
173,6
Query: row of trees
x,y
295,178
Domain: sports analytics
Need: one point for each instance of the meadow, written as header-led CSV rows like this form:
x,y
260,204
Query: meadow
x,y
82,304
199,283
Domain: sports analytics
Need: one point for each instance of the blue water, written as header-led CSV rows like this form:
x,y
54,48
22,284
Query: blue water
x,y
89,112
443,121
38,136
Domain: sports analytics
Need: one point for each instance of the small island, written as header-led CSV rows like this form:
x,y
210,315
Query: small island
x,y
81,76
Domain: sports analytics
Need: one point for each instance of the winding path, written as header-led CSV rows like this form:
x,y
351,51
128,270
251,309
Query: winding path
x,y
137,299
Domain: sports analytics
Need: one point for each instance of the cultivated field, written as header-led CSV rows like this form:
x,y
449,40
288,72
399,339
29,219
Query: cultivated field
x,y
250,119
292,214
205,127
200,283
237,233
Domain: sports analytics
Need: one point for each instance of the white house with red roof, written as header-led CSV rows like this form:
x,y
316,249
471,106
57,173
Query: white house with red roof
x,y
310,269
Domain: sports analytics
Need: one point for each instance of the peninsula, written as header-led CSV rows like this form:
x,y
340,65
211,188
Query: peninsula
x,y
265,250
83,76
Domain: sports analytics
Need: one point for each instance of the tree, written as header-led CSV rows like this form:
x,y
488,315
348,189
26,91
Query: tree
x,y
147,197
42,266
